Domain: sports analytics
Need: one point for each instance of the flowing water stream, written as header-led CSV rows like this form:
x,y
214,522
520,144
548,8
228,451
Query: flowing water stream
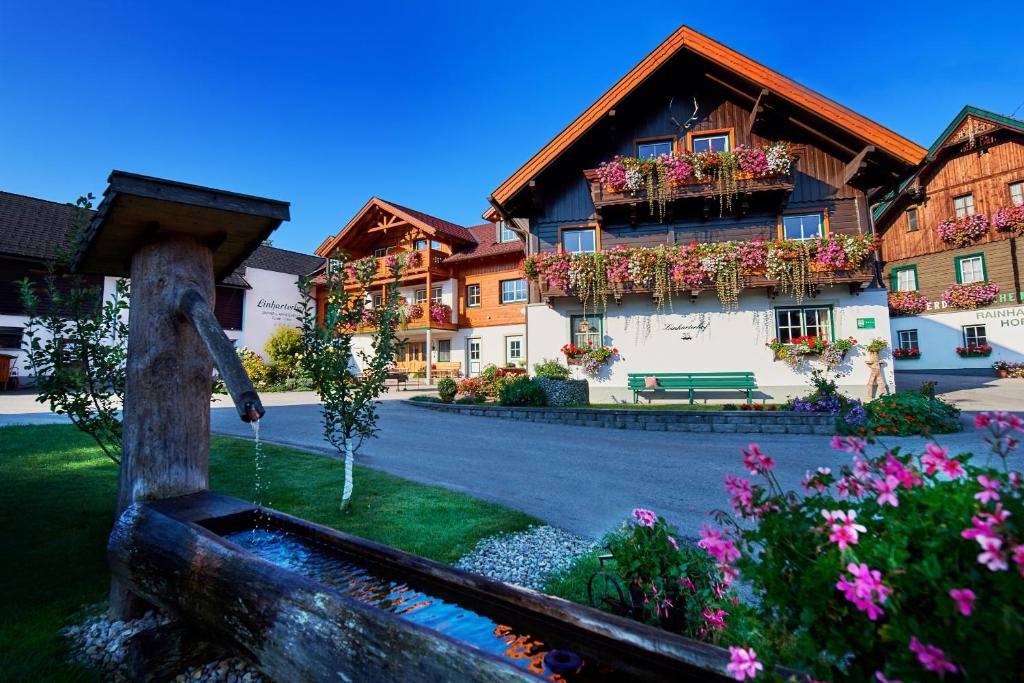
x,y
258,488
318,562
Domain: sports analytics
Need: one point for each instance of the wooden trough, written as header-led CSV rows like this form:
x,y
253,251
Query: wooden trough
x,y
172,553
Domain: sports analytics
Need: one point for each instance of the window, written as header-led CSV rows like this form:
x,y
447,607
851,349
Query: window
x,y
444,350
419,296
419,245
906,339
964,205
513,350
904,279
378,300
334,266
435,293
974,335
472,295
1017,193
970,268
713,142
653,148
586,329
380,251
579,240
803,226
513,291
806,321
911,220
505,233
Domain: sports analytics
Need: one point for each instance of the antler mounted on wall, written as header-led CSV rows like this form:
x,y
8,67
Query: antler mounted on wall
x,y
689,122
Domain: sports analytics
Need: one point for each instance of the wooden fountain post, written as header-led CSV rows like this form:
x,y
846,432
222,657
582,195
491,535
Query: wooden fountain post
x,y
174,241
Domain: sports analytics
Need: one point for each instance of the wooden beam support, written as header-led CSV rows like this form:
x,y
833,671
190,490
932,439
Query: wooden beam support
x,y
730,87
826,138
758,111
858,164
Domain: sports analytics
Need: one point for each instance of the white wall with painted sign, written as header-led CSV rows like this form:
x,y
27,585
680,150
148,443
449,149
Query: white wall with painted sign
x,y
271,303
939,335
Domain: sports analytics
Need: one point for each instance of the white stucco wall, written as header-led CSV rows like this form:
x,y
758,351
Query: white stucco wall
x,y
649,341
939,334
271,303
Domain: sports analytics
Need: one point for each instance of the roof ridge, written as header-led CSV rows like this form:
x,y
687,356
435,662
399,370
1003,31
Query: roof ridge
x,y
67,205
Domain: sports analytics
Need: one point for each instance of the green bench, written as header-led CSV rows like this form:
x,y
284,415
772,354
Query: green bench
x,y
693,381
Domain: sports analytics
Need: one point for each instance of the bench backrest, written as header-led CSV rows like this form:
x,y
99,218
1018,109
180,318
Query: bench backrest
x,y
695,380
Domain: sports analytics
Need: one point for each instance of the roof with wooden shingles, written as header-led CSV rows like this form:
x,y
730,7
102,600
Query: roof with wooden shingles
x,y
687,38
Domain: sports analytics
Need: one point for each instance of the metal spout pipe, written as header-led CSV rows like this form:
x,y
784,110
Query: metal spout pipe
x,y
247,401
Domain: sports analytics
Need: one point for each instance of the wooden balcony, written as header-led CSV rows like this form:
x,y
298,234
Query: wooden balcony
x,y
430,261
855,280
422,324
746,189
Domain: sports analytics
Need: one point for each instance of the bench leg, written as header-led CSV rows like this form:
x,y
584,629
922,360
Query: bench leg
x,y
749,401
691,397
636,395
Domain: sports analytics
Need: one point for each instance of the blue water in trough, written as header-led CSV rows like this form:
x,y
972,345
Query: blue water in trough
x,y
457,622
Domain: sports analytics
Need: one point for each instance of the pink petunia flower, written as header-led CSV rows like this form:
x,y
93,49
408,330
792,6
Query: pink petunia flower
x,y
755,461
989,490
992,555
715,619
645,517
850,444
1017,555
964,598
743,663
887,490
864,588
844,527
931,657
672,542
882,678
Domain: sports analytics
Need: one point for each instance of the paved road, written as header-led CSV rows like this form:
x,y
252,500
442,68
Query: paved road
x,y
581,478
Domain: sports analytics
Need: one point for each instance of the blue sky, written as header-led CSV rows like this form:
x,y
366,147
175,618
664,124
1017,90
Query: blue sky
x,y
431,105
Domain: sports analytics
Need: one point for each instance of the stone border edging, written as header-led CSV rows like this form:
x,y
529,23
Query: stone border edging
x,y
733,421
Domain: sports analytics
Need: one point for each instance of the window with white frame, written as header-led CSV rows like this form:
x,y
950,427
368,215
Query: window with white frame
x,y
380,251
577,240
334,266
975,335
653,148
970,269
906,339
712,142
905,279
378,300
803,321
513,291
444,350
419,296
420,245
505,234
435,293
964,205
472,295
586,330
1017,193
803,226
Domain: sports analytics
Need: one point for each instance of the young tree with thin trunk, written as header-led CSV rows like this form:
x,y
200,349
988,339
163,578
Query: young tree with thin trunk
x,y
348,392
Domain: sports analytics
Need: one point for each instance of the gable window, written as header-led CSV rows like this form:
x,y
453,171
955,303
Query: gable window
x,y
653,148
334,266
911,220
970,268
420,245
381,251
803,321
906,340
1017,193
711,142
578,240
472,295
975,335
803,226
419,296
964,205
904,279
513,291
586,330
505,233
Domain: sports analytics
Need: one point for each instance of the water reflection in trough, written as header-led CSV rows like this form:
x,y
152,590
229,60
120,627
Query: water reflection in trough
x,y
318,562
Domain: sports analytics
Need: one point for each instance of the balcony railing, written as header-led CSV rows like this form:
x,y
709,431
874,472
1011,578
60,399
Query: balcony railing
x,y
425,320
604,197
426,260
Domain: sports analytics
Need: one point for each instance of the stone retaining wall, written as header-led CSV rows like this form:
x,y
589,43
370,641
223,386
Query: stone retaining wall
x,y
758,422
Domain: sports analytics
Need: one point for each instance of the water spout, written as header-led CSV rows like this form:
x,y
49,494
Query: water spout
x,y
194,306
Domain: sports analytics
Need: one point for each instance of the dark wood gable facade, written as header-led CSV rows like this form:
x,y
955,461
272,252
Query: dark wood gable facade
x,y
690,87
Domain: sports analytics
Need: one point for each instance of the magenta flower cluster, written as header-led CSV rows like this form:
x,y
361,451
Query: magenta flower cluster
x,y
972,295
961,232
907,303
1010,219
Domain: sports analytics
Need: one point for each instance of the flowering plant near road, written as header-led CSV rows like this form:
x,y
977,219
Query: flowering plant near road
x,y
907,303
961,232
1010,219
894,567
972,295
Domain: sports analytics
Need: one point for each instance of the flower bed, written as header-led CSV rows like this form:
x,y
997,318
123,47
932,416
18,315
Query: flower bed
x,y
1010,220
961,232
906,354
1005,368
907,303
666,270
982,351
970,295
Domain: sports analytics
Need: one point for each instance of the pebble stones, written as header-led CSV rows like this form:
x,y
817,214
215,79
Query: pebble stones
x,y
526,558
102,644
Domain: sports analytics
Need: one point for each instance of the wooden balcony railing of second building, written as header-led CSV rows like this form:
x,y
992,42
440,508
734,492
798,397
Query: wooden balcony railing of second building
x,y
430,260
424,322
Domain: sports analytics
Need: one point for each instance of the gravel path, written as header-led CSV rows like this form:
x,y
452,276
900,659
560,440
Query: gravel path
x,y
527,558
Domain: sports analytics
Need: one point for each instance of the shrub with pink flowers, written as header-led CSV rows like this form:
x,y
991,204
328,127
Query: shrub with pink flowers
x,y
961,232
440,312
899,566
1009,219
907,303
972,295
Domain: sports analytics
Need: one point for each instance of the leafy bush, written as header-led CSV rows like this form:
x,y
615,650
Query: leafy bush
x,y
551,369
472,387
252,363
284,347
900,566
907,413
521,391
470,399
446,389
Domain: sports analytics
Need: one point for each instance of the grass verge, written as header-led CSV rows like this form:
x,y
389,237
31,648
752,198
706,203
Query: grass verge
x,y
57,504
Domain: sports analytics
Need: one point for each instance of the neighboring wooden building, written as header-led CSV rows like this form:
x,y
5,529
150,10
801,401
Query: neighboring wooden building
x,y
974,169
695,94
473,271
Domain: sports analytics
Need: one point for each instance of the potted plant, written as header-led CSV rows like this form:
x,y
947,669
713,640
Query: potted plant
x,y
972,351
1002,369
876,346
912,353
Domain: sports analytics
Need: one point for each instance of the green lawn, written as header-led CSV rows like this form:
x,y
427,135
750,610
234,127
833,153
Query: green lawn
x,y
57,505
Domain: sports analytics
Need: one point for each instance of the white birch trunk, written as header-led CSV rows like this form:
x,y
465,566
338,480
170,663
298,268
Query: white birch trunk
x,y
346,492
